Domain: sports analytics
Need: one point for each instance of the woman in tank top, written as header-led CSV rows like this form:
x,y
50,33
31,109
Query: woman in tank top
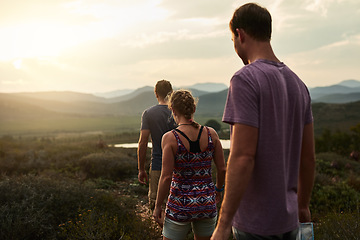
x,y
186,176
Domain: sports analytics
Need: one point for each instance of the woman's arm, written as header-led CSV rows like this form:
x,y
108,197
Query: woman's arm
x,y
219,161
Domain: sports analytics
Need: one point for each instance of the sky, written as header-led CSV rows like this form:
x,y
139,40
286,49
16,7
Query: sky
x,y
94,46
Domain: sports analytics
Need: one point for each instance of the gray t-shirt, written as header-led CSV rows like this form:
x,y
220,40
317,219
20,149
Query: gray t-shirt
x,y
269,96
158,119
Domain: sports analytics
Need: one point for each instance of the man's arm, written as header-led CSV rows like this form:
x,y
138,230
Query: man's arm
x,y
169,144
306,173
239,170
141,152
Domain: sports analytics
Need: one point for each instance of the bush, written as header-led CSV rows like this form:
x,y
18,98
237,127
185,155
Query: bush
x,y
337,197
214,124
28,156
39,208
108,165
93,224
354,182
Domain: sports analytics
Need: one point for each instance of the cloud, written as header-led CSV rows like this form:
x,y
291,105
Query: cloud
x,y
19,11
106,45
328,64
188,9
13,82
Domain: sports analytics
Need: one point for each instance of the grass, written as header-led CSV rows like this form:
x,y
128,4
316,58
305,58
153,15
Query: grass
x,y
43,208
70,124
70,187
335,226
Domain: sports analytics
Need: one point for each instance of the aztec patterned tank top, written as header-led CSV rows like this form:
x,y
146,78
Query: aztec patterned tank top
x,y
192,191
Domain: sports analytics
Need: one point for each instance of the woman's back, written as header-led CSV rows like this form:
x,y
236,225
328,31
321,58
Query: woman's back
x,y
191,133
192,191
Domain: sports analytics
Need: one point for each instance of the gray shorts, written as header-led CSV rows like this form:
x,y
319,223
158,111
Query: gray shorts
x,y
239,235
178,230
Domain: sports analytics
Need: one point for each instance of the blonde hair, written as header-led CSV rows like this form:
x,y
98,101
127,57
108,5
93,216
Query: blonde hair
x,y
184,103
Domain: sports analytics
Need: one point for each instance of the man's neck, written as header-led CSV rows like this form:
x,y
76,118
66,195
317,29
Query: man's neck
x,y
162,102
262,50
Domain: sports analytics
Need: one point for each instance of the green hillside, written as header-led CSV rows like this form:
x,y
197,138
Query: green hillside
x,y
339,98
335,116
32,114
212,104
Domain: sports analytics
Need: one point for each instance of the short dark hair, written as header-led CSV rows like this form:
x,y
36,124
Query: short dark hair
x,y
163,88
254,20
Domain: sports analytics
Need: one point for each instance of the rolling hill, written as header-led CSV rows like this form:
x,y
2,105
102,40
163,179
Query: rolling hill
x,y
338,98
343,92
333,111
212,104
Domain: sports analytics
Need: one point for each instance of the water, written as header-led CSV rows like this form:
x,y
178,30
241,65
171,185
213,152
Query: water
x,y
225,144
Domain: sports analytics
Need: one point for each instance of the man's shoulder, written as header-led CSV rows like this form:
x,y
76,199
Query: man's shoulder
x,y
152,108
245,70
157,109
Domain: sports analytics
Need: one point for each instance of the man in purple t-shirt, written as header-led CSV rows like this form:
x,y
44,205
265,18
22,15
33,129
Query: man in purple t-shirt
x,y
271,166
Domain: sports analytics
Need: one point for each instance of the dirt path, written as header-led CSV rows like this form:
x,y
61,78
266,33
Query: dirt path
x,y
138,193
143,211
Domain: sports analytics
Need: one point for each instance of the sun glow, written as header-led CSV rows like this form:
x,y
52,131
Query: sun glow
x,y
33,40
89,22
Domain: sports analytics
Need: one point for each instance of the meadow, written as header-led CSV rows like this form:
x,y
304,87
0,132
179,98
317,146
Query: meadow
x,y
73,186
80,125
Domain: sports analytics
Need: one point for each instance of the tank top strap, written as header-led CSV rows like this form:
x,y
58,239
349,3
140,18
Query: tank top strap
x,y
201,129
177,137
194,145
182,133
187,138
209,137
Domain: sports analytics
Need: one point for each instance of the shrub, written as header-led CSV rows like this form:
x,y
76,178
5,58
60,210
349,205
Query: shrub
x,y
40,208
354,182
108,165
214,124
330,164
337,197
93,224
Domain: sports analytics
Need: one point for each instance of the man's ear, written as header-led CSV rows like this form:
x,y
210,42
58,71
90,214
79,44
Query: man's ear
x,y
241,33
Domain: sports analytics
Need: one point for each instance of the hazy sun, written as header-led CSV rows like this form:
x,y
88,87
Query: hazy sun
x,y
50,38
36,39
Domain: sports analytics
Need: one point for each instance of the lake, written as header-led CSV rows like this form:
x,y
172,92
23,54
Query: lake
x,y
225,144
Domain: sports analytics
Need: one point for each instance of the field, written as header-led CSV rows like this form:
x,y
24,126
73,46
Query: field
x,y
75,187
59,179
70,125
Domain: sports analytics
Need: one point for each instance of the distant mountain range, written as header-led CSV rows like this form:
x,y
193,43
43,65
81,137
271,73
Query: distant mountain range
x,y
343,92
334,107
211,100
197,89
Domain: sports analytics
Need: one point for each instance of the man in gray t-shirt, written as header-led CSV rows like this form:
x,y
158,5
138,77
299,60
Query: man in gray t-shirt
x,y
155,121
271,166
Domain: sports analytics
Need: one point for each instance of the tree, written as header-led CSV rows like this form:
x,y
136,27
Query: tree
x,y
214,124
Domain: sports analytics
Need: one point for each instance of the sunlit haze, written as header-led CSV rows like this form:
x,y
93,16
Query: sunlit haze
x,y
97,46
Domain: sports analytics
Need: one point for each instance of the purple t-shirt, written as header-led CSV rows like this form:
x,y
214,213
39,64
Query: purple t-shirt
x,y
269,96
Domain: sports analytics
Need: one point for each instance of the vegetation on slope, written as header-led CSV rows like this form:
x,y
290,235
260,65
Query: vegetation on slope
x,y
78,188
